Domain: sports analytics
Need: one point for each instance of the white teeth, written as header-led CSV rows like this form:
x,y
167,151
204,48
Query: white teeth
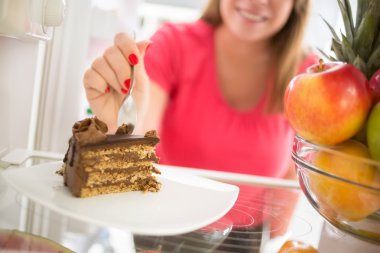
x,y
251,16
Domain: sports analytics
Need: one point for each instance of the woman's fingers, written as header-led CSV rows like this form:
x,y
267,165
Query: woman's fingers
x,y
95,85
133,53
115,64
112,71
128,48
120,67
101,66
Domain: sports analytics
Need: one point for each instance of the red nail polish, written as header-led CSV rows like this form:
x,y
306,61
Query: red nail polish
x,y
107,89
133,60
124,91
127,83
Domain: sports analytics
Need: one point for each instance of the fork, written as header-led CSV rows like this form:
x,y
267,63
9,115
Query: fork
x,y
127,110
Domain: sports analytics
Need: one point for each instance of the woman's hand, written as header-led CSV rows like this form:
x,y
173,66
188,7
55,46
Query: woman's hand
x,y
108,80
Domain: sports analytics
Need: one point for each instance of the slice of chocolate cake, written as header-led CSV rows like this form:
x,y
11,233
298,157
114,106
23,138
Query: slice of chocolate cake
x,y
96,163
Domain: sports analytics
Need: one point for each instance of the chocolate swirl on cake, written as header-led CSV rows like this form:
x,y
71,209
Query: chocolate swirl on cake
x,y
90,130
125,129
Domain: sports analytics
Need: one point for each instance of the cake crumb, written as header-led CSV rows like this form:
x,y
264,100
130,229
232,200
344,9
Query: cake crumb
x,y
61,171
151,133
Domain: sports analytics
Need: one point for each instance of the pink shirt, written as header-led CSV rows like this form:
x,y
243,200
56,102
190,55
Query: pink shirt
x,y
199,129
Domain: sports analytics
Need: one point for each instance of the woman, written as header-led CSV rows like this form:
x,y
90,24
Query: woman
x,y
213,88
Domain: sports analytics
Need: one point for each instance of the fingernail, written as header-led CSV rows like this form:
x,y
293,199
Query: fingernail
x,y
133,60
124,91
127,83
107,89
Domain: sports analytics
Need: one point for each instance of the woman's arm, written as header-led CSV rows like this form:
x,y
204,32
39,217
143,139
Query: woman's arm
x,y
155,108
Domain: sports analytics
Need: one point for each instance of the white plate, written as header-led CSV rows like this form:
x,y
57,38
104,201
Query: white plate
x,y
185,202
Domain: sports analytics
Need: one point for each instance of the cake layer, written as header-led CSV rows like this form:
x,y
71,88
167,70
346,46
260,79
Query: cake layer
x,y
132,152
115,165
140,146
84,173
120,159
110,174
149,184
123,141
97,179
77,178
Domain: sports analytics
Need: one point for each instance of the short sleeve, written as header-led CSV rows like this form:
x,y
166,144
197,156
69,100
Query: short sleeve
x,y
161,59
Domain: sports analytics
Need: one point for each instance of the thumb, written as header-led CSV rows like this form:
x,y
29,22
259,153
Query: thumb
x,y
142,46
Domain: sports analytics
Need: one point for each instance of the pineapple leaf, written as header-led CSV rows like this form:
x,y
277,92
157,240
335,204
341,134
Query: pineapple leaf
x,y
374,61
337,48
377,42
360,64
349,15
331,58
376,13
345,10
347,49
376,8
332,30
362,6
365,35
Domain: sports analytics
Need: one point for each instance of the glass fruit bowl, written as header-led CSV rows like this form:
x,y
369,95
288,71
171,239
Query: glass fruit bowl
x,y
341,185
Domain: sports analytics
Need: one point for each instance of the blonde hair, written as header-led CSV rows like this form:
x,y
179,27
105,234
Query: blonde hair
x,y
287,44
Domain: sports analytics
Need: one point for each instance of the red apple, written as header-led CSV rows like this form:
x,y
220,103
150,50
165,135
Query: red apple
x,y
374,85
329,103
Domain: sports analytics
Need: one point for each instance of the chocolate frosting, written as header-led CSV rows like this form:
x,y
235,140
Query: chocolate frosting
x,y
125,129
90,130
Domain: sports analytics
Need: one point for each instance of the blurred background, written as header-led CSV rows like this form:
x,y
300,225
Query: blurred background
x,y
41,92
43,56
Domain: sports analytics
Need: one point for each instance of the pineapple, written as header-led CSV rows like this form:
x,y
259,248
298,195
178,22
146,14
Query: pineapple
x,y
360,43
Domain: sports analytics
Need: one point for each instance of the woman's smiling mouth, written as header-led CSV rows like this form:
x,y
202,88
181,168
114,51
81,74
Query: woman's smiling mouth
x,y
251,16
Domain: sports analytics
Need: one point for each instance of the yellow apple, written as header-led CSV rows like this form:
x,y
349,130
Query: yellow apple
x,y
346,200
373,132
